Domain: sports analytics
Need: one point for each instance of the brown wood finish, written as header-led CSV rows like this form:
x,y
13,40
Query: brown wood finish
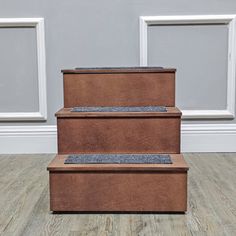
x,y
127,190
119,135
179,164
119,187
112,70
119,89
66,112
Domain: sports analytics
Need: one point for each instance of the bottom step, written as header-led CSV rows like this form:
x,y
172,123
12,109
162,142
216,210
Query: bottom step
x,y
118,187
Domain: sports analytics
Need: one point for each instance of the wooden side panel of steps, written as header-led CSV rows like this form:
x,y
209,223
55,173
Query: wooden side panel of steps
x,y
118,187
114,187
119,89
118,133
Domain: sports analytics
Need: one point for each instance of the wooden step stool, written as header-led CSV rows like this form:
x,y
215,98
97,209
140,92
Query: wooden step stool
x,y
118,187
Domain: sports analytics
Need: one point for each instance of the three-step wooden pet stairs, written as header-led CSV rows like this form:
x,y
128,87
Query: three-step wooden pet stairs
x,y
112,113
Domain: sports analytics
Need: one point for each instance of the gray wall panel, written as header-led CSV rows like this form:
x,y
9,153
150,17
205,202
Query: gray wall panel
x,y
18,70
199,52
106,33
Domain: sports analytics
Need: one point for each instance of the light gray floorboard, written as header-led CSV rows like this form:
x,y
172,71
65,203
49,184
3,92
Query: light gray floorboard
x,y
24,202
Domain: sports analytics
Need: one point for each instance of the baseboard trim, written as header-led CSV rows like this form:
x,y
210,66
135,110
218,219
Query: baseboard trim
x,y
208,138
28,139
43,139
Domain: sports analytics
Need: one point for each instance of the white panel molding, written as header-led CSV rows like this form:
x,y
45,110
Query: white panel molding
x,y
38,23
230,20
43,139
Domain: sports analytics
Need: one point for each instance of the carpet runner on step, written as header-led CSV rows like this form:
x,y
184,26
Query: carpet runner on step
x,y
120,109
118,159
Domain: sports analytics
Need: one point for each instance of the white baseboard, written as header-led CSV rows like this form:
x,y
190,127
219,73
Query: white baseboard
x,y
43,139
28,139
208,138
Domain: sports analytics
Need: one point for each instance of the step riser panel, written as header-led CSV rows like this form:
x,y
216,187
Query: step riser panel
x,y
119,89
119,135
118,191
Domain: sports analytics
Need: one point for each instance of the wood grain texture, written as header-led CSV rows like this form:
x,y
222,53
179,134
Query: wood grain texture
x,y
118,187
24,202
115,70
24,199
119,191
171,112
118,135
119,89
179,164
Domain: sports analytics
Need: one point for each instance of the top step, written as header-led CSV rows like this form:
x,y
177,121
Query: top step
x,y
110,70
119,86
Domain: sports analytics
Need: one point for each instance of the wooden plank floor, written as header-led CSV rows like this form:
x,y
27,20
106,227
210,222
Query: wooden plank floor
x,y
24,202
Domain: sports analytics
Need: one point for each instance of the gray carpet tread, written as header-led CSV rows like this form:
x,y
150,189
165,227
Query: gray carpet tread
x,y
121,109
118,159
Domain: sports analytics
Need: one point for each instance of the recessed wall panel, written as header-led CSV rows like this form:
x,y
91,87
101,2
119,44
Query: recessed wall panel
x,y
199,52
18,70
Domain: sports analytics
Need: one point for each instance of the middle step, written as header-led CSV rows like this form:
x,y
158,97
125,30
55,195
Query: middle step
x,y
119,131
